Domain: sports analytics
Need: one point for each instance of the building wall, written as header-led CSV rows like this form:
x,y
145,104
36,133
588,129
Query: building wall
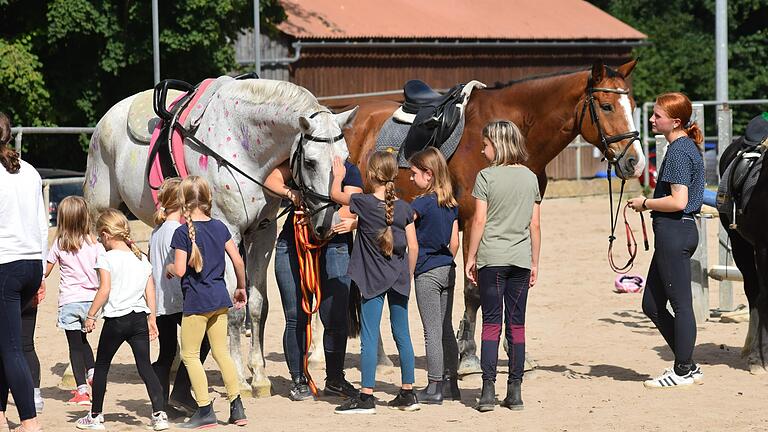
x,y
271,49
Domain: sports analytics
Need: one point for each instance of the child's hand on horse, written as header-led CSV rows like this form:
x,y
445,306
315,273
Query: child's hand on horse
x,y
346,225
239,298
339,170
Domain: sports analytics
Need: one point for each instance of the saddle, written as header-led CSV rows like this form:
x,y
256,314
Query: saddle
x,y
739,180
426,118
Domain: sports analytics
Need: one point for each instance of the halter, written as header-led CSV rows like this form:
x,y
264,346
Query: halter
x,y
298,178
613,161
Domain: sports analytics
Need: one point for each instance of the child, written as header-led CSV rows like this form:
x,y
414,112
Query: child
x,y
382,262
127,294
201,246
437,230
503,255
169,298
76,250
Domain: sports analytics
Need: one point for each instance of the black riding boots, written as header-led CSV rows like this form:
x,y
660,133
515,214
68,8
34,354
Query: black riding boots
x,y
514,399
487,400
432,394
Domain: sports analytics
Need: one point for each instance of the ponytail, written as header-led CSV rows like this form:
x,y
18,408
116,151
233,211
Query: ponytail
x,y
195,258
168,199
386,238
131,244
8,156
695,134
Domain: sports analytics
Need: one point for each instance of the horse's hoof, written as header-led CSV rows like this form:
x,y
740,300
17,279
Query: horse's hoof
x,y
317,359
530,364
68,379
757,368
469,365
260,390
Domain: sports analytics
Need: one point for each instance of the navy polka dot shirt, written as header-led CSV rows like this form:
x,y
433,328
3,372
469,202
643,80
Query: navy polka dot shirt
x,y
683,165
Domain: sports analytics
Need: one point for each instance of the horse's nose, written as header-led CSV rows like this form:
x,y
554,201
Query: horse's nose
x,y
321,230
631,162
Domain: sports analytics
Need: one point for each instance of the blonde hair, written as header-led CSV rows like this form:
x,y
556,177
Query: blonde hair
x,y
382,170
168,199
508,142
73,224
114,223
194,193
430,159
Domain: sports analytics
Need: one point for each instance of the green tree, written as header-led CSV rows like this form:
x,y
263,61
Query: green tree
x,y
66,62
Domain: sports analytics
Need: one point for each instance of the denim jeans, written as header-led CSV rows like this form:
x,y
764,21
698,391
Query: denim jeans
x,y
334,305
19,282
370,332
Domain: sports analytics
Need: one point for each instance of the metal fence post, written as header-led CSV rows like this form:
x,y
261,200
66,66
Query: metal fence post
x,y
724,125
699,275
19,134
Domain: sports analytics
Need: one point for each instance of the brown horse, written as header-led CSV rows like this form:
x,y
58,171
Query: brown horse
x,y
551,111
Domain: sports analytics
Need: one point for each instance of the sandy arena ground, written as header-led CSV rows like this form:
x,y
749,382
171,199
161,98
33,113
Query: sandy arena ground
x,y
593,349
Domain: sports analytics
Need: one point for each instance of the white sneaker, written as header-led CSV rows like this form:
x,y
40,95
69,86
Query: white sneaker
x,y
160,421
89,422
669,379
698,375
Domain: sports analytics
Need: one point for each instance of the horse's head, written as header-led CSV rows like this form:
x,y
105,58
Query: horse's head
x,y
605,118
321,139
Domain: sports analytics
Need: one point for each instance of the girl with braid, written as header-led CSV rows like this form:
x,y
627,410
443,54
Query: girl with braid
x,y
200,248
127,296
382,264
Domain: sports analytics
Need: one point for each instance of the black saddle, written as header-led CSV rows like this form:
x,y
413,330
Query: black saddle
x,y
437,115
742,168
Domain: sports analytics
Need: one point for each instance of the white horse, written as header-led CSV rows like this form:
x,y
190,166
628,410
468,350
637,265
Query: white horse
x,y
255,125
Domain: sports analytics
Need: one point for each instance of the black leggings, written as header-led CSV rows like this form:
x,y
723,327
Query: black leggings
x,y
131,328
80,355
28,323
669,279
19,282
168,340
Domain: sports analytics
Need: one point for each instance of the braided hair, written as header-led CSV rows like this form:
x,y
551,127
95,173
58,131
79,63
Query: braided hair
x,y
382,170
114,223
194,193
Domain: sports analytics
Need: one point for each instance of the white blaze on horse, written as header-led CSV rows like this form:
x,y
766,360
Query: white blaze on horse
x,y
254,125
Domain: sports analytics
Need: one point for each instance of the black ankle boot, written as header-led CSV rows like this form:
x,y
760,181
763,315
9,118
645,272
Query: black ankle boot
x,y
514,399
451,387
432,394
237,413
487,400
204,417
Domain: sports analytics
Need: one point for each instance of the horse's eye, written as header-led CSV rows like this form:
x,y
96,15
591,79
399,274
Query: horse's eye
x,y
606,107
310,164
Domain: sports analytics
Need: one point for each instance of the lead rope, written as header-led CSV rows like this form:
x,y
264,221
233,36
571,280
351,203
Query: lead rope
x,y
631,243
309,269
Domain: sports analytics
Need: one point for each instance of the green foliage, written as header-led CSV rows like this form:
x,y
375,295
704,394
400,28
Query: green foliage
x,y
66,62
681,53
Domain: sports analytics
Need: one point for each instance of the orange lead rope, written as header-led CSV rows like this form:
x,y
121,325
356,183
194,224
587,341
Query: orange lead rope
x,y
309,269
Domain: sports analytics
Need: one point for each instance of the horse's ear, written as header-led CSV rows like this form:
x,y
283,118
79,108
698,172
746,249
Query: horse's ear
x,y
346,118
305,124
626,69
598,71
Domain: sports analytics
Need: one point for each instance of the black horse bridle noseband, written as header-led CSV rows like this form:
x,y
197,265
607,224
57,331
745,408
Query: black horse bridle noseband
x,y
613,161
298,158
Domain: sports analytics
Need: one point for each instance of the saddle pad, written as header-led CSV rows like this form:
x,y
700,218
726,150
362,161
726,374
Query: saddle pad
x,y
393,133
156,175
142,119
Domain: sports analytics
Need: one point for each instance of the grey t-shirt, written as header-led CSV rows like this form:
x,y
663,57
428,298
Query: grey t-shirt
x,y
510,192
169,299
374,273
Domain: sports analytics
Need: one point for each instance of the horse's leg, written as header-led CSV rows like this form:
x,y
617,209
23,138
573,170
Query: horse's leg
x,y
469,363
383,359
757,361
235,319
100,187
317,353
744,257
259,247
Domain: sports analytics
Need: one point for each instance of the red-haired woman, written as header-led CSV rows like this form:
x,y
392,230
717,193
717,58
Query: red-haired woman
x,y
678,196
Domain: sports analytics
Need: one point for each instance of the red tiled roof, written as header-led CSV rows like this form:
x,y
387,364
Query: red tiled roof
x,y
453,19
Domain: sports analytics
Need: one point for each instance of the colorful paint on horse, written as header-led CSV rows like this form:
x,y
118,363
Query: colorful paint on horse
x,y
202,162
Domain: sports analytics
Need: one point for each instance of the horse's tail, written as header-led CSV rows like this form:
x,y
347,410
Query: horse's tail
x,y
354,310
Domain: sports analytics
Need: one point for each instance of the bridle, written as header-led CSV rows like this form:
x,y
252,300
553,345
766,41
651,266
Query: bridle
x,y
613,160
298,158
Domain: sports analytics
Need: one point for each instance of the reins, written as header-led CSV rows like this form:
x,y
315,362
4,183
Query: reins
x,y
613,161
309,268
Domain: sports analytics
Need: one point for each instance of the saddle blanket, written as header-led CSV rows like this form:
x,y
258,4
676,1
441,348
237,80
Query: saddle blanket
x,y
393,133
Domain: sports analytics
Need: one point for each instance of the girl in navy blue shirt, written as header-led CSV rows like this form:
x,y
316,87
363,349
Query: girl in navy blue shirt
x,y
383,258
437,230
678,196
200,262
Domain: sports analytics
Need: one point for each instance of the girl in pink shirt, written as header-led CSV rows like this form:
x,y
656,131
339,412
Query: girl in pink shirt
x,y
76,250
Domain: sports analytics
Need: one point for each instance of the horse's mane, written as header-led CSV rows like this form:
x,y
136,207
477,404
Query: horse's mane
x,y
610,73
264,91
